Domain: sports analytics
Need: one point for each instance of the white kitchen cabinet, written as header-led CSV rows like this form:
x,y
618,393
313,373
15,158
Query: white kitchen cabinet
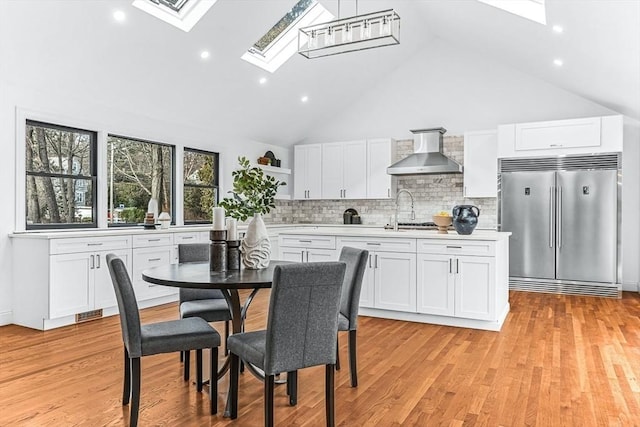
x,y
344,170
452,283
481,164
147,257
558,134
380,155
300,248
389,281
307,172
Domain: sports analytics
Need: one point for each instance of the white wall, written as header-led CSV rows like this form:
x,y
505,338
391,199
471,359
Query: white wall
x,y
72,110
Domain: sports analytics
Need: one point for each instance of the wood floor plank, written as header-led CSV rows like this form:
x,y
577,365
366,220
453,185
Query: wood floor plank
x,y
558,361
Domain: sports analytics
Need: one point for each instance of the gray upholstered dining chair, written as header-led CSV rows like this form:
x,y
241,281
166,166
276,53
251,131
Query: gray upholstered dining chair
x,y
155,338
208,304
301,331
356,260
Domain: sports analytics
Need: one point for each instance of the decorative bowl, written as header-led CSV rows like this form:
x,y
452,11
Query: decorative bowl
x,y
443,222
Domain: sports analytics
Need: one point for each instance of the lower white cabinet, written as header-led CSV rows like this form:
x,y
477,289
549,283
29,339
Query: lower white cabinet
x,y
300,248
148,257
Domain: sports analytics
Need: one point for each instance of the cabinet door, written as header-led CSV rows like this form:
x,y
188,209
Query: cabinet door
x,y
332,171
300,172
69,288
104,295
395,281
435,288
475,287
558,134
354,160
292,254
319,255
481,164
144,258
378,159
367,291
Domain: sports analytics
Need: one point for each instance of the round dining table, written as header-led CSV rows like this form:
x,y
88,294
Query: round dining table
x,y
197,275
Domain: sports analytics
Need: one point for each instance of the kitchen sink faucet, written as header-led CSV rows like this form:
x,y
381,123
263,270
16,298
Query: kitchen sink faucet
x,y
413,213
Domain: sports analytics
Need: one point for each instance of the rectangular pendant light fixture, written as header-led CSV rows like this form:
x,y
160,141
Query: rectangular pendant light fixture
x,y
350,34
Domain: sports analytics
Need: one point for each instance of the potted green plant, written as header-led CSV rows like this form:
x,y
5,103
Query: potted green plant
x,y
253,195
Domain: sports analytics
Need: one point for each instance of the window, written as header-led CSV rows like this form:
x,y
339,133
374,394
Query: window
x,y
200,185
137,171
60,176
183,14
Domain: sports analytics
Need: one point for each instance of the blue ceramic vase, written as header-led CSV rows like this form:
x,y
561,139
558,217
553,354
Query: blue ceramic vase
x,y
465,218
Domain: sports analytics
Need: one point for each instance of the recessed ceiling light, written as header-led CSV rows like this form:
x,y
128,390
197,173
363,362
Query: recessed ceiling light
x,y
304,98
558,29
262,80
205,54
558,62
119,16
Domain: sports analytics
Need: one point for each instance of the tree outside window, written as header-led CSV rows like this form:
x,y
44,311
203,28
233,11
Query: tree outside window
x,y
60,176
200,175
137,171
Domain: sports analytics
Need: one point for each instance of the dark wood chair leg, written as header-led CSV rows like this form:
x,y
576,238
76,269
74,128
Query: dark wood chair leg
x,y
187,359
181,356
135,392
199,370
213,381
330,395
126,389
337,354
353,360
269,381
292,387
233,387
226,336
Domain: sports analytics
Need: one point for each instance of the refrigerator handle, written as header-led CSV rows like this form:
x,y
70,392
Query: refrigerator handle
x,y
551,216
559,217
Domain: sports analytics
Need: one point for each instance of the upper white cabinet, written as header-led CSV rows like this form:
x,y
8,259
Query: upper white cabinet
x,y
344,170
307,171
379,157
481,164
575,136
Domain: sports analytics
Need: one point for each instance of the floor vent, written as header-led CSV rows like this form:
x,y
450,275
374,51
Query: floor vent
x,y
89,315
565,288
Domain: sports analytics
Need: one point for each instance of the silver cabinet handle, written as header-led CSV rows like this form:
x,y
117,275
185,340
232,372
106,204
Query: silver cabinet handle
x,y
457,266
98,261
304,241
370,260
464,191
301,256
153,240
559,217
187,238
450,262
388,192
373,243
307,256
376,263
153,259
454,247
551,217
95,244
92,264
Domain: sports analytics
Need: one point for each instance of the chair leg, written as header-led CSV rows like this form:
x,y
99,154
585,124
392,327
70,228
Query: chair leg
x,y
135,392
292,387
330,395
337,354
187,360
226,337
233,386
199,370
181,356
269,381
352,358
213,381
126,389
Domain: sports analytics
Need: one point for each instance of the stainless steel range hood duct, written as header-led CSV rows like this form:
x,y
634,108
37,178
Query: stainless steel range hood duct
x,y
427,157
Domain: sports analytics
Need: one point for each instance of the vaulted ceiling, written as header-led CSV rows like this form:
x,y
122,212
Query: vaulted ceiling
x,y
149,68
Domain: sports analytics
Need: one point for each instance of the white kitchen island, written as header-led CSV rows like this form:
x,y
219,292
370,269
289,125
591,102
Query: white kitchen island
x,y
419,275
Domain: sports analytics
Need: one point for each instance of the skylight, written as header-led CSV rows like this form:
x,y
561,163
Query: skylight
x,y
280,42
530,9
183,14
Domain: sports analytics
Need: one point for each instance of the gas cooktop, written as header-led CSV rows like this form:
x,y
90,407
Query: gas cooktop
x,y
414,226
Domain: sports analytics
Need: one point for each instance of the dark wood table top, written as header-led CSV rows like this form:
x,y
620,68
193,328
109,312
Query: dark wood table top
x,y
197,275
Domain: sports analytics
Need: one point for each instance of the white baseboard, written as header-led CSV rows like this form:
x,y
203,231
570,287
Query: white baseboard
x,y
630,286
6,318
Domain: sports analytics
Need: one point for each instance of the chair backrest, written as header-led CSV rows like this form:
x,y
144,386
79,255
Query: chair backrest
x,y
196,252
356,260
303,316
129,314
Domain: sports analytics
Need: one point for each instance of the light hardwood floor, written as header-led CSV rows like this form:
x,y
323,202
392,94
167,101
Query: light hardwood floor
x,y
559,360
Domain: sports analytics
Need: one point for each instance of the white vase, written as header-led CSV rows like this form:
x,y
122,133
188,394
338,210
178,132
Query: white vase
x,y
256,247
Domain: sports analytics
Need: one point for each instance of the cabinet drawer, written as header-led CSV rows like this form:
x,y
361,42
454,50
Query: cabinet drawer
x,y
144,258
89,244
379,244
457,247
179,238
302,241
142,241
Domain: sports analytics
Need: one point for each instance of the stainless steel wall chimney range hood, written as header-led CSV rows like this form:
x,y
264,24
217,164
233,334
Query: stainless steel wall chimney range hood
x,y
427,157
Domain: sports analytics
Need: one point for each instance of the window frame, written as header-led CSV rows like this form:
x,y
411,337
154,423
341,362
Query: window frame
x,y
173,177
215,186
93,166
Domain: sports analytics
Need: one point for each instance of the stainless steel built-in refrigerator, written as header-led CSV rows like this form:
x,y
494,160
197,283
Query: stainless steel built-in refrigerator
x,y
564,217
